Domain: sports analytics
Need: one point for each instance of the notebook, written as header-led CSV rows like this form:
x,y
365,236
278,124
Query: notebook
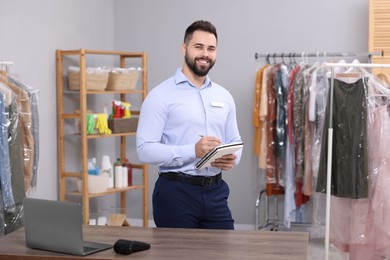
x,y
218,152
57,226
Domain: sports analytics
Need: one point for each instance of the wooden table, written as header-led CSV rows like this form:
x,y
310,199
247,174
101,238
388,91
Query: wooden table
x,y
171,243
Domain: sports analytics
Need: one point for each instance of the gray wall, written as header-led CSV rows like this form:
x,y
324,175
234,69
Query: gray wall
x,y
31,31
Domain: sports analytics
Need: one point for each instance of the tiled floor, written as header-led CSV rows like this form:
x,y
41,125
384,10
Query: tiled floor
x,y
317,251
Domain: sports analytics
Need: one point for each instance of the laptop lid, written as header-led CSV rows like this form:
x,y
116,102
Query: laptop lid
x,y
56,226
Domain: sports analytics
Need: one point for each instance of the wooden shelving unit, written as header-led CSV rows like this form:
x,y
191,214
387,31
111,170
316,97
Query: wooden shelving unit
x,y
62,116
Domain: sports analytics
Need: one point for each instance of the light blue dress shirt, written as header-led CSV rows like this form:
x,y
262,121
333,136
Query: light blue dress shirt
x,y
173,116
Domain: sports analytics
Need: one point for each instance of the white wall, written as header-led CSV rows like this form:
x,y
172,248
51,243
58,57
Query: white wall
x,y
31,31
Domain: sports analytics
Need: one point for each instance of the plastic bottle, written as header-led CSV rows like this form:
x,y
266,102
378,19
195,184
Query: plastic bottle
x,y
129,173
118,172
124,176
93,168
107,168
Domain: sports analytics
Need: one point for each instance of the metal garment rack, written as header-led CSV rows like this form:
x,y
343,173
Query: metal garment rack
x,y
276,222
317,55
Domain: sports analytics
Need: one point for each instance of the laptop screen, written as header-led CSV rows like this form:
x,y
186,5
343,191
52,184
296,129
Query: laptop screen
x,y
54,226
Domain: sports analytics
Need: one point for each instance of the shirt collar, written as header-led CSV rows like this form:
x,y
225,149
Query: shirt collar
x,y
181,78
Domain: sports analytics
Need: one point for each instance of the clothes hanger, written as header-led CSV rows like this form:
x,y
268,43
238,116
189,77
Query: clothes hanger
x,y
291,64
384,78
267,59
303,63
351,74
314,66
379,93
3,74
381,85
282,55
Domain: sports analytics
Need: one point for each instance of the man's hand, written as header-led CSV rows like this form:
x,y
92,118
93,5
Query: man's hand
x,y
226,162
205,145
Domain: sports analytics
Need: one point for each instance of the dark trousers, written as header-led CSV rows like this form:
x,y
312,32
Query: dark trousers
x,y
184,205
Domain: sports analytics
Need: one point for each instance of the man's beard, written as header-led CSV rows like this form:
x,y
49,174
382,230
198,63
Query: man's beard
x,y
199,71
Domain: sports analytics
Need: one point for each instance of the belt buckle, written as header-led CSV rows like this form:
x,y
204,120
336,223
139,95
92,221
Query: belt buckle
x,y
207,181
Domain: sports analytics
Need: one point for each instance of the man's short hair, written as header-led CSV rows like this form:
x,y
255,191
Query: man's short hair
x,y
200,25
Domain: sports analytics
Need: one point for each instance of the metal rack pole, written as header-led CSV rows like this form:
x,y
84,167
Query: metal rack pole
x,y
317,54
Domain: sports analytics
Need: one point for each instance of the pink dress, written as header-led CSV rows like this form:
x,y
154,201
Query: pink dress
x,y
379,152
361,226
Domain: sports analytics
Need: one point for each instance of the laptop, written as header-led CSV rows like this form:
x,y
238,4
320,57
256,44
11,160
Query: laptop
x,y
57,226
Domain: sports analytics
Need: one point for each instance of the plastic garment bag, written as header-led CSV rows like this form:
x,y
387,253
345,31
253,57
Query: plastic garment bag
x,y
360,226
17,150
5,169
349,154
34,128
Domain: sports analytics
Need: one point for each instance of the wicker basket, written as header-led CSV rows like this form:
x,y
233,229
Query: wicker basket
x,y
94,81
123,125
125,79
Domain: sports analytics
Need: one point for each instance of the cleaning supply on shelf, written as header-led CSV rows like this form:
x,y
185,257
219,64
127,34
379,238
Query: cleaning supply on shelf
x,y
127,113
102,125
93,168
124,176
118,172
116,109
91,123
129,172
106,167
120,109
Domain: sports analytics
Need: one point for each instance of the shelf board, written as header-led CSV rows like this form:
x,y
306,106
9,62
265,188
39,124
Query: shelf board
x,y
71,116
78,174
120,53
111,135
109,191
72,174
101,136
105,92
77,115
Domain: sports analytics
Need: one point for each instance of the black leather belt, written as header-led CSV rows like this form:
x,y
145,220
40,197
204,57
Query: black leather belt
x,y
198,180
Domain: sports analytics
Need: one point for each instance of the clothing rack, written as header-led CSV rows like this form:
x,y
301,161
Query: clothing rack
x,y
276,189
270,191
330,141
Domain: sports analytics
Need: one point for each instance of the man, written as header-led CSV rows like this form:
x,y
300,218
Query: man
x,y
181,120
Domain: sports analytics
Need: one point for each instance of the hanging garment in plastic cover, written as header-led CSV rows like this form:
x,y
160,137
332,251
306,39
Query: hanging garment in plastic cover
x,y
19,151
360,225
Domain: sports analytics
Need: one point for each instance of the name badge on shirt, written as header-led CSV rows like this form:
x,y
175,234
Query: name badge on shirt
x,y
217,104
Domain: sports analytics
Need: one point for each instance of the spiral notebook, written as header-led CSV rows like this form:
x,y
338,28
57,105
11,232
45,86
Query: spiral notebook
x,y
218,152
57,226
